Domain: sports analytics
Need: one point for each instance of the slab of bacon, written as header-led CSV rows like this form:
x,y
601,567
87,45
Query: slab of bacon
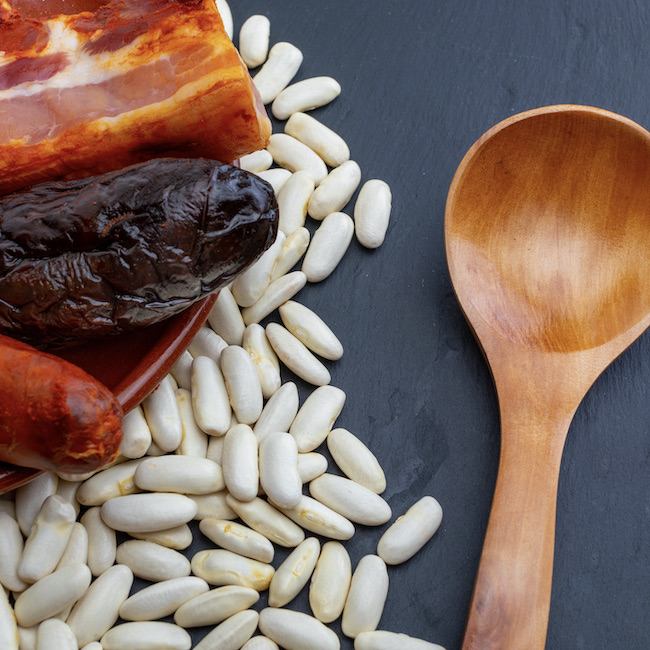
x,y
95,91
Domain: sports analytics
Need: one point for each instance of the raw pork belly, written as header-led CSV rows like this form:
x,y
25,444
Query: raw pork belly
x,y
98,90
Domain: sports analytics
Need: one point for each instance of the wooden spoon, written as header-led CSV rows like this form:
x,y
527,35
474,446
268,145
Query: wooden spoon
x,y
547,232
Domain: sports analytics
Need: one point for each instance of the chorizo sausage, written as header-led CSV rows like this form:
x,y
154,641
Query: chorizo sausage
x,y
53,415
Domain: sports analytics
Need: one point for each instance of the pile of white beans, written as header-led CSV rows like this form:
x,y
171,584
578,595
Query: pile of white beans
x,y
223,441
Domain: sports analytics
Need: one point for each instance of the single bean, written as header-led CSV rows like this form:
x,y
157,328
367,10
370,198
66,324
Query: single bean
x,y
296,356
151,561
210,399
162,599
316,417
293,155
232,633
254,37
329,145
328,246
215,606
146,635
366,598
311,330
225,318
276,74
220,567
102,541
293,630
330,582
305,95
410,532
294,573
372,213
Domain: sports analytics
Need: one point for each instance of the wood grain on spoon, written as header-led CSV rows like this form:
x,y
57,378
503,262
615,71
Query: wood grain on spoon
x,y
547,232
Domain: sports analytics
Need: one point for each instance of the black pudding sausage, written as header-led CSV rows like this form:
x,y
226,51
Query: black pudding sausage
x,y
108,254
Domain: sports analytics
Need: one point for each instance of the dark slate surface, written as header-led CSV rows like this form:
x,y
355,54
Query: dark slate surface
x,y
421,82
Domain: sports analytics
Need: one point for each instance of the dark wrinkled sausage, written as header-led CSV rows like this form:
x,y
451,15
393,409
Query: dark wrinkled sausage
x,y
54,416
107,254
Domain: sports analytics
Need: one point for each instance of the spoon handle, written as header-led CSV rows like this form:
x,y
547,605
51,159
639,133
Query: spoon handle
x,y
510,603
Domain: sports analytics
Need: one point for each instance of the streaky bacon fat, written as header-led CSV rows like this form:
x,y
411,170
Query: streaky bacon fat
x,y
95,91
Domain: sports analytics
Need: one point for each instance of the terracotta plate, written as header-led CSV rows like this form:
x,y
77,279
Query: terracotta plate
x,y
131,365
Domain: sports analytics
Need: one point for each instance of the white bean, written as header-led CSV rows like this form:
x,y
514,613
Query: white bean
x,y
151,561
161,413
256,162
296,356
11,551
328,246
52,594
232,633
353,501
162,599
410,532
294,248
268,521
194,441
293,199
279,477
330,146
181,369
136,436
295,156
213,505
260,643
54,634
264,359
276,177
254,37
311,464
293,630
238,539
68,491
305,95
115,481
102,541
355,460
76,549
220,567
248,287
182,474
279,411
47,540
178,537
294,573
206,343
366,598
98,609
311,330
215,606
278,292
225,318
30,497
372,213
210,400
144,513
146,635
316,417
242,384
335,191
239,462
226,17
280,68
8,626
382,640
319,519
330,582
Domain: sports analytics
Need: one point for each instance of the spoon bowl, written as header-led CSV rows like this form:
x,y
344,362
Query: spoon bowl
x,y
547,235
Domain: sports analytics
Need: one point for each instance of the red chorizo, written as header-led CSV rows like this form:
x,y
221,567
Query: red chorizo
x,y
53,415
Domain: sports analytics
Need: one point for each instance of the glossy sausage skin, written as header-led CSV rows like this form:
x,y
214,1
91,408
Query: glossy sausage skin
x,y
53,415
109,254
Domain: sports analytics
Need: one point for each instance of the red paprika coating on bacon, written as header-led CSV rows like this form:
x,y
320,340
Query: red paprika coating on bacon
x,y
53,415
